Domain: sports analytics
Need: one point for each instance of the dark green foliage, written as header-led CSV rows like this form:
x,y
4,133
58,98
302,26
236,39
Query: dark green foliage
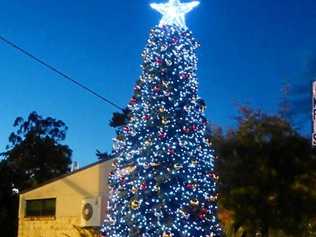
x,y
103,155
34,155
8,202
120,119
268,174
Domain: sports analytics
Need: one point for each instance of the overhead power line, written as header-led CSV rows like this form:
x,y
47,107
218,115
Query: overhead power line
x,y
60,73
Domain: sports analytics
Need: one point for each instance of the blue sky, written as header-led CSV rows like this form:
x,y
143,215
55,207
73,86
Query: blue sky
x,y
249,49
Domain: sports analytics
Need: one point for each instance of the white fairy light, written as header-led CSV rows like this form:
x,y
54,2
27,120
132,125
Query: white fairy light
x,y
163,183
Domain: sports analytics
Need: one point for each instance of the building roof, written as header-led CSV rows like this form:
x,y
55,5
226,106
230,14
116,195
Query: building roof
x,y
63,176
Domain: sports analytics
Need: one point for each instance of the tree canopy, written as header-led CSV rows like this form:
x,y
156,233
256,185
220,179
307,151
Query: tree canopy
x,y
34,155
268,174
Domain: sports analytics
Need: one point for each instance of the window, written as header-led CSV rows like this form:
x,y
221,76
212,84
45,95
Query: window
x,y
40,207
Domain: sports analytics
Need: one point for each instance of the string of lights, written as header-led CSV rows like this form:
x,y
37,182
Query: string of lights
x,y
163,182
59,72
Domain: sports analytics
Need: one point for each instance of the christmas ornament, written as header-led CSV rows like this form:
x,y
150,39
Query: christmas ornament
x,y
174,12
134,189
120,137
133,101
194,202
165,84
143,186
146,117
211,198
114,163
168,62
184,75
167,234
135,204
186,129
156,188
164,48
175,40
148,142
171,151
208,141
167,94
156,89
194,162
178,166
162,135
212,175
162,109
164,120
184,214
154,165
122,180
146,166
191,186
202,213
159,61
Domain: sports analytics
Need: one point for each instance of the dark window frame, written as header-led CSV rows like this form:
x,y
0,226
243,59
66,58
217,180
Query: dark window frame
x,y
44,207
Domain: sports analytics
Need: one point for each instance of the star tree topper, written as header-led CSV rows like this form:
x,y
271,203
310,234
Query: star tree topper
x,y
174,12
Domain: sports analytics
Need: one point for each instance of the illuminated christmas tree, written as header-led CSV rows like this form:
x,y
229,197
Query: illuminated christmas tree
x,y
163,183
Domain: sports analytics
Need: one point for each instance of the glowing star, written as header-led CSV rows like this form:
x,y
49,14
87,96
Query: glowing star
x,y
174,12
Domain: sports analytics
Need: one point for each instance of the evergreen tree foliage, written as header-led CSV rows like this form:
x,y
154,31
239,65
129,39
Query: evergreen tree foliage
x,y
163,182
34,155
268,175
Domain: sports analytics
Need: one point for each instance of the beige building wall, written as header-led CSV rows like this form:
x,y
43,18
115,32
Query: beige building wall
x,y
69,192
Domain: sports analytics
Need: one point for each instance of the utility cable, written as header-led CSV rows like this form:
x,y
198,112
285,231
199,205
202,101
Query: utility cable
x,y
60,73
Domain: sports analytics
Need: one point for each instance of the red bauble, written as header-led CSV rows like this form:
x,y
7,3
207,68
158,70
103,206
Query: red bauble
x,y
184,75
202,213
122,179
133,100
137,88
143,186
159,61
201,216
189,186
185,129
213,176
156,89
175,40
146,117
162,135
171,151
203,210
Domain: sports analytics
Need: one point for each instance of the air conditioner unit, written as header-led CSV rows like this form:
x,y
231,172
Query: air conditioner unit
x,y
91,212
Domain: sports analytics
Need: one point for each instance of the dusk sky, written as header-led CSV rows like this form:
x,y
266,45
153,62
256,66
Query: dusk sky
x,y
250,48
